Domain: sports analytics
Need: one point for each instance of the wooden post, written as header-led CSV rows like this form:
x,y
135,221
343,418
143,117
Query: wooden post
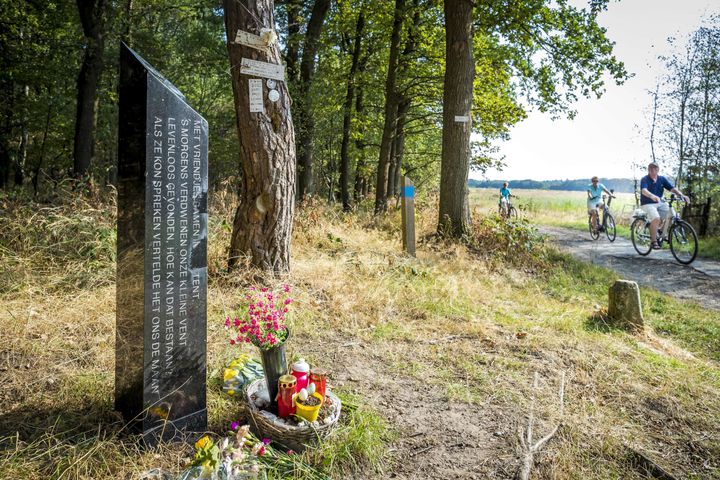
x,y
408,216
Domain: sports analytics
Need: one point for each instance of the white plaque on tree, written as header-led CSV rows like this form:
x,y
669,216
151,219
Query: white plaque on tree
x,y
256,95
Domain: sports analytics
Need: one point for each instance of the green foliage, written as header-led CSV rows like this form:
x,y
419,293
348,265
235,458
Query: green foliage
x,y
516,242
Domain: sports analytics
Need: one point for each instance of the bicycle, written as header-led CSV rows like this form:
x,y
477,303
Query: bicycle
x,y
608,221
679,234
511,210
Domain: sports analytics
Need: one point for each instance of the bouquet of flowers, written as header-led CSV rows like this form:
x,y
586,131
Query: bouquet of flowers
x,y
264,325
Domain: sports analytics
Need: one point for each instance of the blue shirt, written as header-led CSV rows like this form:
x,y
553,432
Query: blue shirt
x,y
505,192
595,192
656,188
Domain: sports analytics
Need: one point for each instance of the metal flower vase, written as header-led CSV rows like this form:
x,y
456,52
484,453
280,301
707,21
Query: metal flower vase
x,y
275,366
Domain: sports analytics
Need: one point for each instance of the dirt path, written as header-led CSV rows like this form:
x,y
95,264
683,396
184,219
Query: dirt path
x,y
699,281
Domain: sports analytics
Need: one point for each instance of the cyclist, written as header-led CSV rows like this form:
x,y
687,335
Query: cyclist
x,y
505,199
594,200
652,187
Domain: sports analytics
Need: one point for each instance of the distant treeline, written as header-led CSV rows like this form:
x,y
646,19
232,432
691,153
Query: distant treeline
x,y
620,185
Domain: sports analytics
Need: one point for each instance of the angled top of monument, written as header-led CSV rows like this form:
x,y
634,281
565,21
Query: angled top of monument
x,y
129,53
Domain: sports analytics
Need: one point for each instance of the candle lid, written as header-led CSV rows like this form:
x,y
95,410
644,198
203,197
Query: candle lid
x,y
301,366
287,380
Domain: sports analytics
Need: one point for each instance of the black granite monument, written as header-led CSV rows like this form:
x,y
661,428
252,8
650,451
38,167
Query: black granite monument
x,y
161,256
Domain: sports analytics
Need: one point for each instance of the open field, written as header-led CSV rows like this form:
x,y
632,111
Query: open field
x,y
438,352
568,209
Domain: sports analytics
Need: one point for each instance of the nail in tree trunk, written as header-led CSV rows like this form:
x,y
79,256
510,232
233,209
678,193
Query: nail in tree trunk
x,y
391,106
92,17
263,221
347,115
457,102
303,108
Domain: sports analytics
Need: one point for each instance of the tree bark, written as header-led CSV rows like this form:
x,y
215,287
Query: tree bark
x,y
4,164
21,159
92,17
347,115
263,221
305,119
457,101
390,110
360,188
360,176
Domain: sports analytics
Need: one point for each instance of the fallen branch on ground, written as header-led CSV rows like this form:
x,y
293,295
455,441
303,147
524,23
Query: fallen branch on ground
x,y
526,440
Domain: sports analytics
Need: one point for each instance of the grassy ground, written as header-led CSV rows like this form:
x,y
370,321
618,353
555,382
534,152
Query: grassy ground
x,y
447,328
568,209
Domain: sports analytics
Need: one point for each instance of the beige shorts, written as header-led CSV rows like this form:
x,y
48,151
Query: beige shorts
x,y
655,210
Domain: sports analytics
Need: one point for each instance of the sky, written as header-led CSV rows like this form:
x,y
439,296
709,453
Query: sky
x,y
606,137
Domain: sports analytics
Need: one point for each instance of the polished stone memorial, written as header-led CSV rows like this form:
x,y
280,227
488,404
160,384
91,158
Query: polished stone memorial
x,y
161,335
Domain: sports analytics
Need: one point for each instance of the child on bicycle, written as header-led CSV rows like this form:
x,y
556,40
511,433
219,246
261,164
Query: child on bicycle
x,y
594,200
505,199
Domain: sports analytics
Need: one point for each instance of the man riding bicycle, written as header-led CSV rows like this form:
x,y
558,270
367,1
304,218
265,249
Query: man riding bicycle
x,y
594,200
505,199
652,187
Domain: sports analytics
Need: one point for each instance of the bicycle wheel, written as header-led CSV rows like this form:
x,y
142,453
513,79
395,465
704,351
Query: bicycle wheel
x,y
594,233
610,229
513,213
683,242
640,235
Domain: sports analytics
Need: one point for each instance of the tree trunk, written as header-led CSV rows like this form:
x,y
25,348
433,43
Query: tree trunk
x,y
390,110
398,149
457,101
4,164
38,167
21,158
358,189
263,221
391,170
347,115
126,35
361,178
293,8
92,19
305,119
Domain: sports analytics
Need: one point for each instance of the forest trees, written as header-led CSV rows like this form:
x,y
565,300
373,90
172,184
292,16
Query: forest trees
x,y
92,18
686,121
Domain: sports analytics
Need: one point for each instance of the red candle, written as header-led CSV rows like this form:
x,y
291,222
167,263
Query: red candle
x,y
286,390
318,376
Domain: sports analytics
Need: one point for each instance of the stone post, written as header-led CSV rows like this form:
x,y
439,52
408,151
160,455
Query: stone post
x,y
624,307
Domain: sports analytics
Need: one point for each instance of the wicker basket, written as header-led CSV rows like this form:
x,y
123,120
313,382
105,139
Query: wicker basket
x,y
296,437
